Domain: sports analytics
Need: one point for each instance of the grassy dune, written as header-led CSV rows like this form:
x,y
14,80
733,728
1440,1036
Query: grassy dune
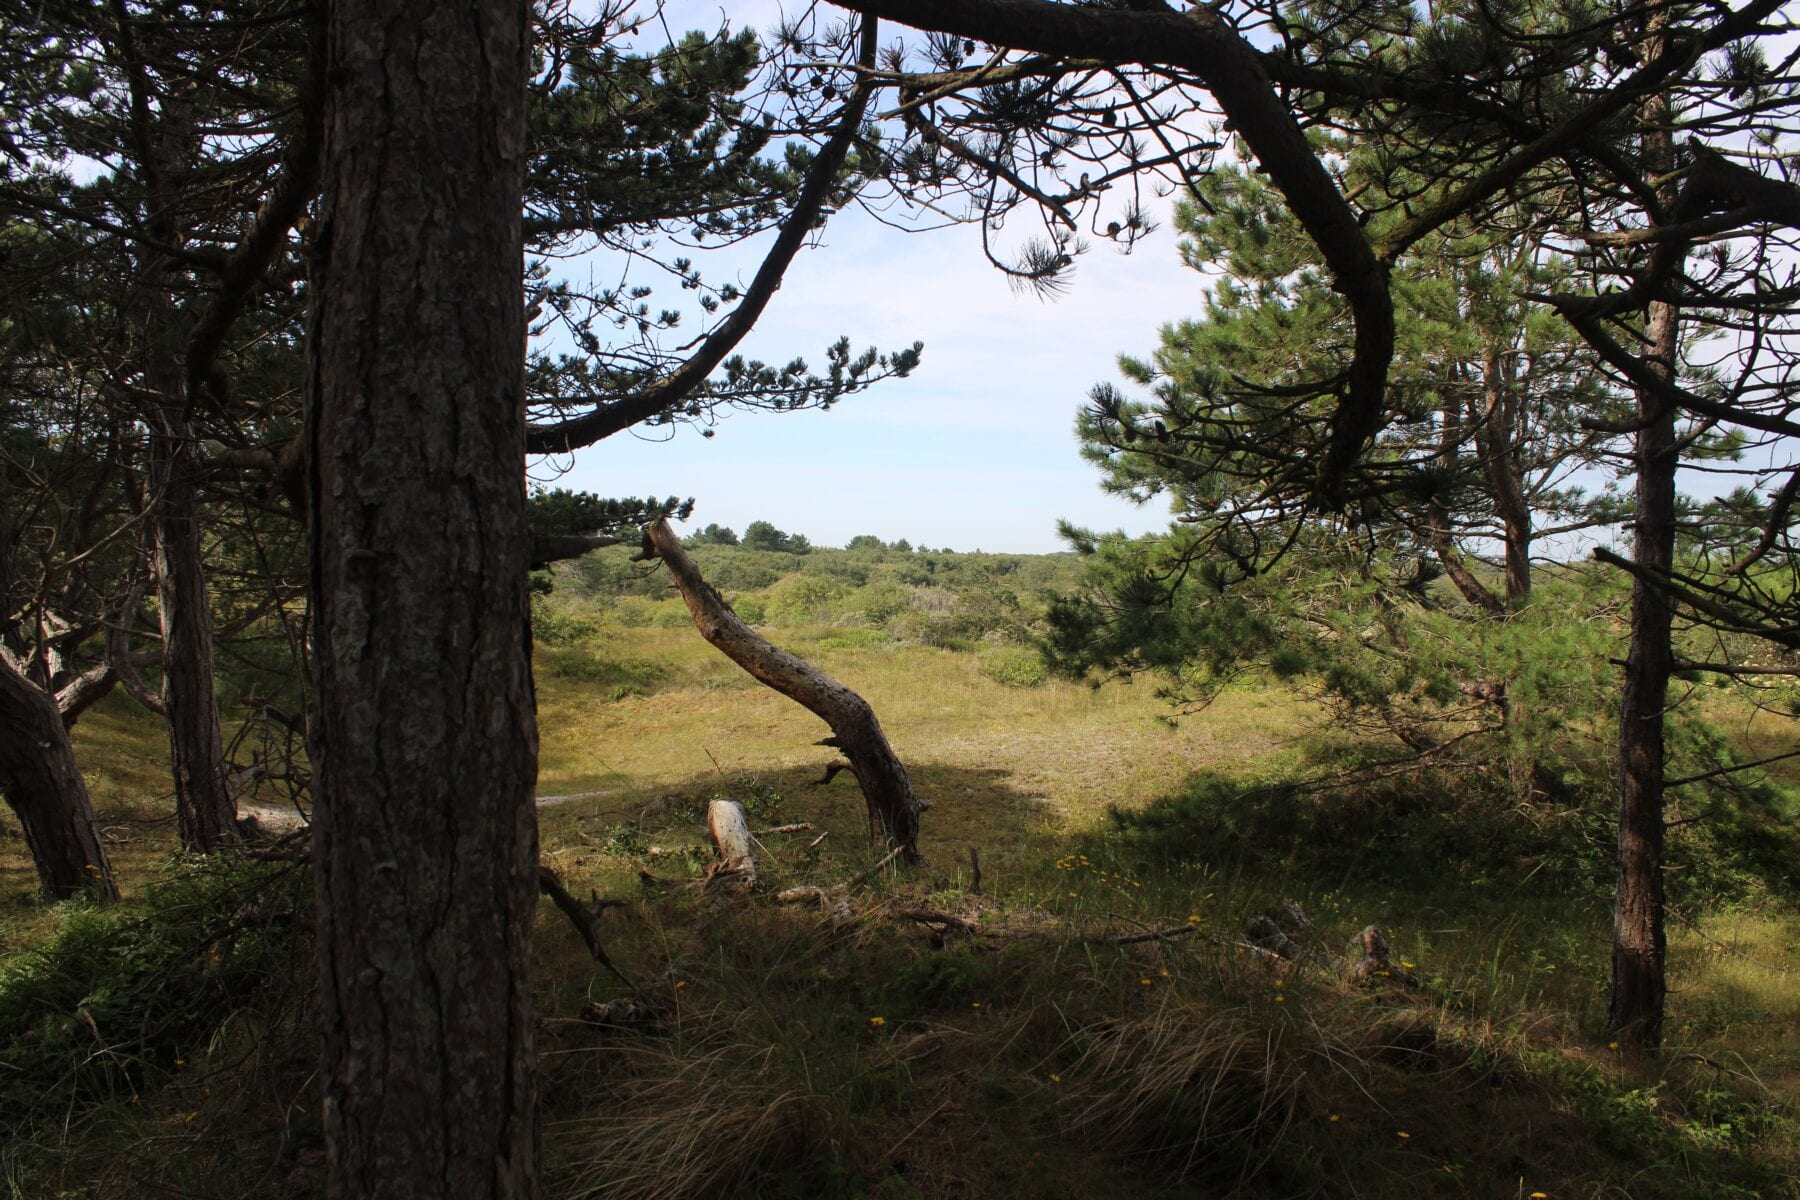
x,y
1047,1055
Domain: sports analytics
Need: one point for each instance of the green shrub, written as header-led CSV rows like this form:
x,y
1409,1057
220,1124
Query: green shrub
x,y
633,612
611,677
1014,666
670,614
120,996
804,600
558,624
854,639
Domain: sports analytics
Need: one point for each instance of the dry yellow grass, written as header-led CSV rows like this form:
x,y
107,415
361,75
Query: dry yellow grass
x,y
1073,749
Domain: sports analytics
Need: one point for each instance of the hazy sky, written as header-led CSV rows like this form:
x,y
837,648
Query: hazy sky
x,y
976,450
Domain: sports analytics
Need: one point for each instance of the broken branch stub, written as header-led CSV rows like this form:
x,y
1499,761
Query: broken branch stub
x,y
735,869
894,808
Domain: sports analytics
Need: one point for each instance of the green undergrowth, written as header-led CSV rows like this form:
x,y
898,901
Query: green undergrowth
x,y
1043,1058
1472,828
146,1036
1102,1027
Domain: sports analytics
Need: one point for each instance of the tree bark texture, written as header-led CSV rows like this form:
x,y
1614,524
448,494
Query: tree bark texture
x,y
205,810
894,808
1640,944
45,790
424,740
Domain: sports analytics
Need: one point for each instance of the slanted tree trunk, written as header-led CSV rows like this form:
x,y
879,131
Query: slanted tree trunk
x,y
47,794
1640,945
424,739
205,810
894,808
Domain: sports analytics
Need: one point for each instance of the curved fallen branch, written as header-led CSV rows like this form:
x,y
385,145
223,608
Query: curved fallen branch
x,y
894,808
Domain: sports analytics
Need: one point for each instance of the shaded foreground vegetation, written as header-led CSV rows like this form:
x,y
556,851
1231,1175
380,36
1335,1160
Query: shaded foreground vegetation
x,y
1042,1049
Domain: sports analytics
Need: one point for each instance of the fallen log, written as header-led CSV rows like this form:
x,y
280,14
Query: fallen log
x,y
894,808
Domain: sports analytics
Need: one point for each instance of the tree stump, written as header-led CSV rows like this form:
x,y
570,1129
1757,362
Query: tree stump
x,y
734,870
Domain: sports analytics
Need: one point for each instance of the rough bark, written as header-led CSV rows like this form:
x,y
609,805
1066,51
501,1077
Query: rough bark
x,y
1640,944
424,740
894,808
45,790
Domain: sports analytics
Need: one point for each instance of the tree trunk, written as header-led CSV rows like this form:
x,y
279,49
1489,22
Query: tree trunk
x,y
894,808
1635,1002
205,811
1500,423
46,792
1450,443
424,738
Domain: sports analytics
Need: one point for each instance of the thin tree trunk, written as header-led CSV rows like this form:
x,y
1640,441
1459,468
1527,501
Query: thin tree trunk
x,y
206,813
1501,427
1450,442
166,131
894,808
424,738
45,790
1640,945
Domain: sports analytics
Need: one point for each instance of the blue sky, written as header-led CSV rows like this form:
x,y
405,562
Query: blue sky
x,y
976,450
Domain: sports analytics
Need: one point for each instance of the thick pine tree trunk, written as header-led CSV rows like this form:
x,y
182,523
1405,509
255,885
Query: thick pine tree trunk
x,y
45,790
424,739
1640,945
206,813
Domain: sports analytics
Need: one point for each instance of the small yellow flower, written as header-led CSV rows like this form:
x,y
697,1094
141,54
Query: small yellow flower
x,y
1193,918
1403,1133
977,1004
1145,982
1072,895
1055,1078
1540,1196
1407,965
1164,972
877,1022
1612,1045
1280,999
1335,1118
680,983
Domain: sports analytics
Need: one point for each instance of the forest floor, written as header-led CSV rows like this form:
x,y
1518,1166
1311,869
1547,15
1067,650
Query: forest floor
x,y
1020,1041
